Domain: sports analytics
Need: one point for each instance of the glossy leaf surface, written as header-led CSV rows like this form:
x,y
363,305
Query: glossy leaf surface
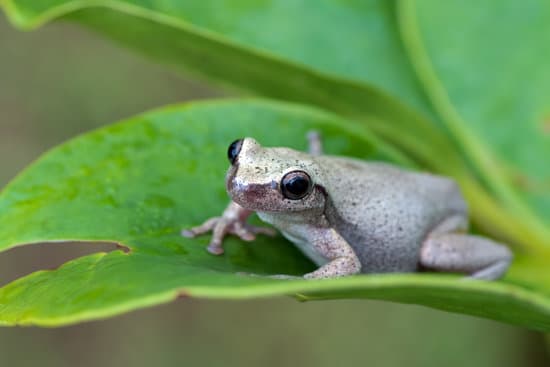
x,y
137,183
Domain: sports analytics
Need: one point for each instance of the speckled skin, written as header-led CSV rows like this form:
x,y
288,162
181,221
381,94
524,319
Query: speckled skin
x,y
386,213
359,217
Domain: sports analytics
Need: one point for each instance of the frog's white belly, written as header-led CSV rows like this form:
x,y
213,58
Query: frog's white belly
x,y
295,232
306,249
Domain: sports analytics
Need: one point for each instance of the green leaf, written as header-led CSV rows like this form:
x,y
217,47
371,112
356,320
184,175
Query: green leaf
x,y
484,68
263,29
179,34
347,57
137,183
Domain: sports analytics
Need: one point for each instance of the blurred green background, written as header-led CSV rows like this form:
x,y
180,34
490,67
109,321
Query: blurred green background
x,y
62,80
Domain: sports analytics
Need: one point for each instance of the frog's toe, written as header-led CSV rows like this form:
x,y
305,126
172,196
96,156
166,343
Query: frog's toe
x,y
244,233
274,276
268,231
188,233
248,232
207,226
215,249
285,277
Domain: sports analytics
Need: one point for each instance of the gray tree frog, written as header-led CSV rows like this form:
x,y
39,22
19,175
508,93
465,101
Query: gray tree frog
x,y
351,216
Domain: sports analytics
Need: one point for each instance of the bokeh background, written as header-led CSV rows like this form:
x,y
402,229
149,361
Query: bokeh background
x,y
62,80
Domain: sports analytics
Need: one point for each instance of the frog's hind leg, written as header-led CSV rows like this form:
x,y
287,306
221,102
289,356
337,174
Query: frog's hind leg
x,y
449,251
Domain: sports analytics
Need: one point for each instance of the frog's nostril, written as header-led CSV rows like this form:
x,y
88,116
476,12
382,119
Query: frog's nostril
x,y
234,150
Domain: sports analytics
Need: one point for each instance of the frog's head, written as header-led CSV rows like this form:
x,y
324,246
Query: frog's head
x,y
273,179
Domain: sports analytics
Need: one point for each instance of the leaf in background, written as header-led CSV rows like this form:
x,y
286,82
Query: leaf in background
x,y
367,27
486,70
232,42
137,183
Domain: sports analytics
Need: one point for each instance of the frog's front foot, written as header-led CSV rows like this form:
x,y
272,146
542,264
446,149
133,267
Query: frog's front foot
x,y
232,221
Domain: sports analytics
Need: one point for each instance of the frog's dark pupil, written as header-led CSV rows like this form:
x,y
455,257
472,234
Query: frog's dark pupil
x,y
296,185
234,150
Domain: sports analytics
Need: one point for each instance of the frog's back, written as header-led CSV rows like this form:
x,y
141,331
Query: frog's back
x,y
385,212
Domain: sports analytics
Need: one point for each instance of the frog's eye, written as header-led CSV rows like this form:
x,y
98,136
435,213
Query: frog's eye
x,y
296,185
234,150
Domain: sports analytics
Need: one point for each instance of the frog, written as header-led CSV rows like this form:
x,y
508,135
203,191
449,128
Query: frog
x,y
352,216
